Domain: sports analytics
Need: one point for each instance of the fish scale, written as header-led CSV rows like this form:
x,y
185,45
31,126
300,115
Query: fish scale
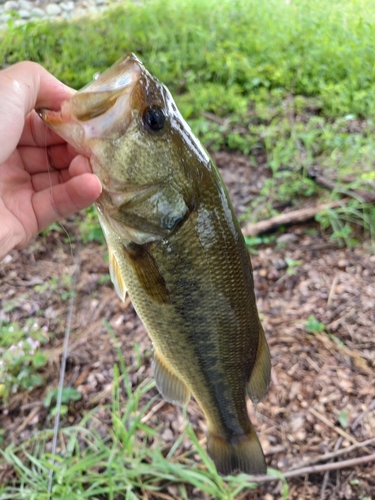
x,y
176,246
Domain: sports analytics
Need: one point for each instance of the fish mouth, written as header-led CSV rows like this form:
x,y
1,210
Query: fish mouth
x,y
101,109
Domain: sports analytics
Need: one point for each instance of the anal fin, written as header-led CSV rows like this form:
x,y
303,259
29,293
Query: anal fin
x,y
261,374
169,385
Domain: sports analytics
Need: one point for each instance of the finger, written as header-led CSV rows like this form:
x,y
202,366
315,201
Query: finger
x,y
80,165
61,155
49,179
23,87
65,199
36,132
39,160
43,180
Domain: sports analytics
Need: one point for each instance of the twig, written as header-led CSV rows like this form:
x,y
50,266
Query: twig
x,y
293,217
152,412
28,419
326,474
360,417
366,196
305,214
324,484
164,496
332,347
333,426
280,448
316,469
332,291
335,454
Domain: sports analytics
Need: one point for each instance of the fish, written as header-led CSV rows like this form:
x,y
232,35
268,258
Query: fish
x,y
176,247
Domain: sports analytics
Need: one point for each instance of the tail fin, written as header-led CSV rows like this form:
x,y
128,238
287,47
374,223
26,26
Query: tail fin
x,y
241,454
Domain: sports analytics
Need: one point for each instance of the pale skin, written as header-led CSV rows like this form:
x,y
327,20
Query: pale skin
x,y
42,178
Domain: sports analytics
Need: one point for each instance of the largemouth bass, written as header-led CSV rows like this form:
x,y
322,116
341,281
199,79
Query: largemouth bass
x,y
176,247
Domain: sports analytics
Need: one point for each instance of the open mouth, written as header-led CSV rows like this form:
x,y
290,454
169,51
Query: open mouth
x,y
100,109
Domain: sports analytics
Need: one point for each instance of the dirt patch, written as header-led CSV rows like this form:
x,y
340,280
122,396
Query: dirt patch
x,y
322,393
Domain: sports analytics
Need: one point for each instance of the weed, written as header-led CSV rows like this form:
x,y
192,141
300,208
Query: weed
x,y
21,357
343,418
253,241
68,395
314,326
292,266
89,227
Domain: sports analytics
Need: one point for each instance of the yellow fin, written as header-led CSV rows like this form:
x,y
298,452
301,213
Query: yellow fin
x,y
261,374
241,454
169,385
116,276
148,273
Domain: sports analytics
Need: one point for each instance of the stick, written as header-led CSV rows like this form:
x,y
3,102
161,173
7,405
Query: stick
x,y
335,454
293,217
316,469
333,426
331,346
326,474
360,417
366,196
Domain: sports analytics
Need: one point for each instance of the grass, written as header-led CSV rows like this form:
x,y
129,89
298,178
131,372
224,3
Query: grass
x,y
310,48
292,80
129,462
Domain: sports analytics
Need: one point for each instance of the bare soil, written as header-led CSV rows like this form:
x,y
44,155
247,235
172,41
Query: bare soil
x,y
316,376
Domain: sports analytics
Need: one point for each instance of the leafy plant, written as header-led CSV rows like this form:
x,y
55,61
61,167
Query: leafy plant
x,y
312,325
20,357
343,418
253,241
89,227
68,395
292,266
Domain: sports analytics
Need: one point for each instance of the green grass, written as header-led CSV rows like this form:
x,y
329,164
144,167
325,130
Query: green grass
x,y
129,462
315,48
289,80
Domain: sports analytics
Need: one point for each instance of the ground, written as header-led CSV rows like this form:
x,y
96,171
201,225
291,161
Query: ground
x,y
316,301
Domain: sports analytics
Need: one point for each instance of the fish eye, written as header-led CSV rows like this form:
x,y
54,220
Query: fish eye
x,y
153,118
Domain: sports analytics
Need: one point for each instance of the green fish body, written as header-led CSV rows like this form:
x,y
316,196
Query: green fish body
x,y
176,247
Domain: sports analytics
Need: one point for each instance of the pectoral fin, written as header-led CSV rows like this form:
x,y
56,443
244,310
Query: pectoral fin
x,y
116,276
261,375
148,273
169,385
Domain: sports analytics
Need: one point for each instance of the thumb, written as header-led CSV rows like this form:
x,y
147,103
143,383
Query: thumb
x,y
62,200
23,87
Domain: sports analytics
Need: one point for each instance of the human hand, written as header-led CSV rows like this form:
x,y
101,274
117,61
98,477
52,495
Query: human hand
x,y
42,179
